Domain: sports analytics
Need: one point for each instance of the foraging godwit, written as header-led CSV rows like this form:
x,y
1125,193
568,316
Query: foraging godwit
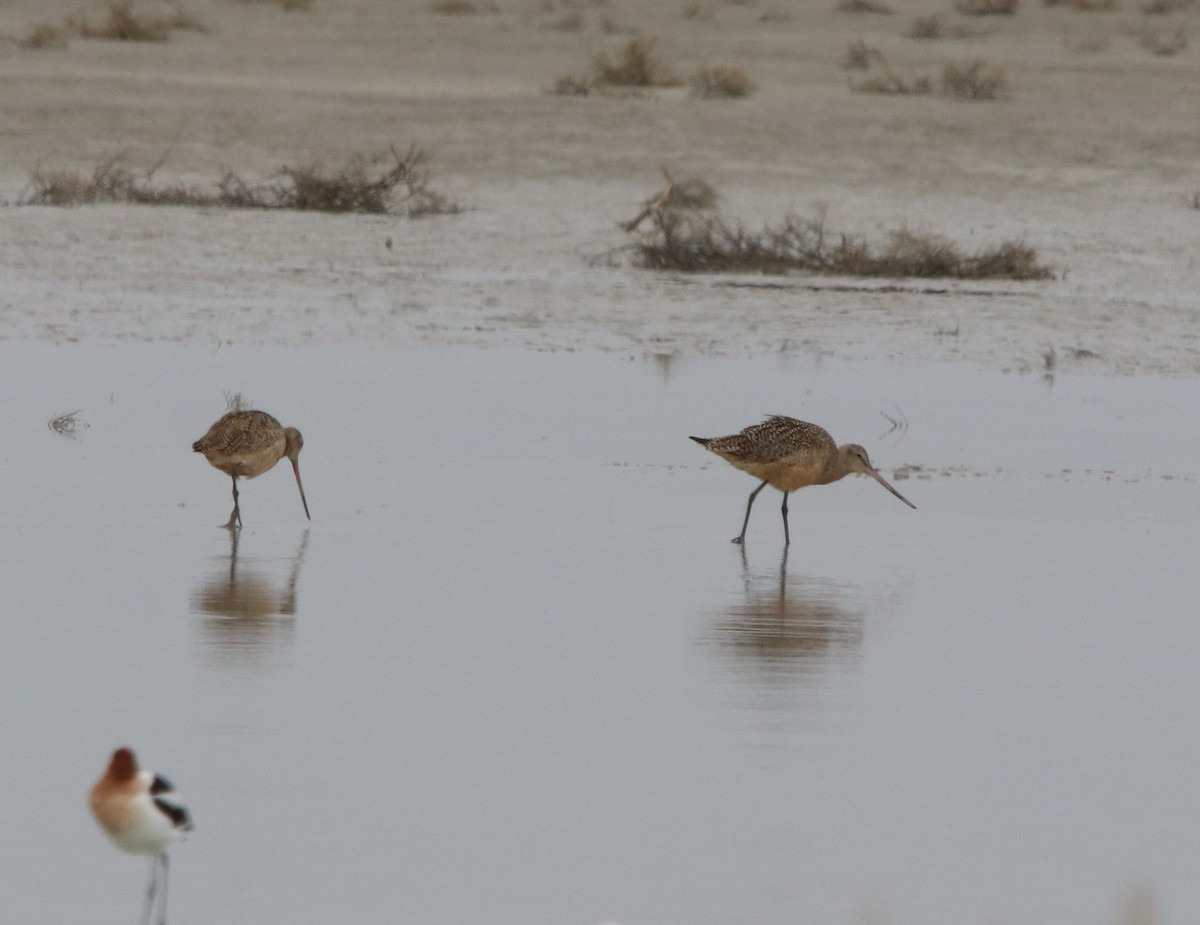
x,y
788,454
243,444
137,810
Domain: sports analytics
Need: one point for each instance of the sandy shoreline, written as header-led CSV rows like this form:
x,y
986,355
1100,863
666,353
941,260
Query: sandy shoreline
x,y
1089,161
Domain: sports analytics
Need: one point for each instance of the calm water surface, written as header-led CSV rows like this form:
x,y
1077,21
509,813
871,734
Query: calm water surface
x,y
514,671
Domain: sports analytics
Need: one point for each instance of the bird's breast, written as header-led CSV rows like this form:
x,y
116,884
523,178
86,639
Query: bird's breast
x,y
786,475
245,465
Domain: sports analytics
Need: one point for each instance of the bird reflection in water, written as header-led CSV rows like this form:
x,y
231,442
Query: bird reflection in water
x,y
784,627
246,610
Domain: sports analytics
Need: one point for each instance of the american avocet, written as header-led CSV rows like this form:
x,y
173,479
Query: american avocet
x,y
243,444
137,810
788,454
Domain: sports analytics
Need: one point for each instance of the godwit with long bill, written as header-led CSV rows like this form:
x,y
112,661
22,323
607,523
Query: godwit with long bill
x,y
245,444
789,454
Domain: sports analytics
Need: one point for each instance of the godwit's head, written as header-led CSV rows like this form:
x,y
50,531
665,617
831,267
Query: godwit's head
x,y
294,443
853,458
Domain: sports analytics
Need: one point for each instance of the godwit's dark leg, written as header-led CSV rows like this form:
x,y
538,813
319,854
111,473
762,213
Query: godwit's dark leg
x,y
741,537
787,538
235,519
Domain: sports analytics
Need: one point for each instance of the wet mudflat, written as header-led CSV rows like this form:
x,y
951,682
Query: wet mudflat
x,y
514,671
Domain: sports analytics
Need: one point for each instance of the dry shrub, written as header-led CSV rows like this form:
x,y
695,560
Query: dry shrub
x,y
889,82
636,65
1165,43
185,22
701,12
382,184
693,242
683,235
423,202
883,79
287,5
693,193
926,27
109,181
1085,6
358,186
60,187
455,7
986,7
570,85
721,82
911,254
974,80
1162,7
123,23
687,196
863,6
44,36
859,55
934,27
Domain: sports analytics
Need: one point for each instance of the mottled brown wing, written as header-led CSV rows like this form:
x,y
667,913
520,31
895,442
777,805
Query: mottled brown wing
x,y
239,432
776,438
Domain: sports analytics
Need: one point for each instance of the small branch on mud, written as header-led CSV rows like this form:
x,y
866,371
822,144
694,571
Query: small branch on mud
x,y
67,425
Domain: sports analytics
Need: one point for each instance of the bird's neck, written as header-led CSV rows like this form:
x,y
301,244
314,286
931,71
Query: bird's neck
x,y
835,469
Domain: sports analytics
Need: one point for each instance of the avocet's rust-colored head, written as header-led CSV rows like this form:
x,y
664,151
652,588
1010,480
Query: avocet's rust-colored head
x,y
123,766
294,443
853,458
110,795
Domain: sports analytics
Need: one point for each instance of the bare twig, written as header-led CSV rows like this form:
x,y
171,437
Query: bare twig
x,y
67,425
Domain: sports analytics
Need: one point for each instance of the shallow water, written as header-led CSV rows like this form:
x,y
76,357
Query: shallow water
x,y
513,671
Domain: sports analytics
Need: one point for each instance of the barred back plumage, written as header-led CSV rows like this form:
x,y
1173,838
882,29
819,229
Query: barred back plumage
x,y
789,454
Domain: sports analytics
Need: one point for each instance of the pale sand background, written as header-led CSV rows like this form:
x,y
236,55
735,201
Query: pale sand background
x,y
1092,161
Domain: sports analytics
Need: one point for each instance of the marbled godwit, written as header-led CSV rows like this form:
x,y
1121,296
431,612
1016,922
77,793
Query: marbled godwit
x,y
244,444
137,810
788,454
